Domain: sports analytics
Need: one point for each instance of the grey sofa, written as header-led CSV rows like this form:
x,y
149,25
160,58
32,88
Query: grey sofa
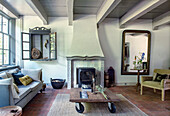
x,y
26,93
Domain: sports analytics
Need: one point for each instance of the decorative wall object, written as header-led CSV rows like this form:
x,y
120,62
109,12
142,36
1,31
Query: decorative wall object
x,y
39,44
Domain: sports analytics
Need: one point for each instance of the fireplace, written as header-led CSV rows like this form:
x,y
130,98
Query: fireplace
x,y
85,76
77,62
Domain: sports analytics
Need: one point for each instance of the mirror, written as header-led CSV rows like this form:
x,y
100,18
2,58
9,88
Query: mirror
x,y
135,52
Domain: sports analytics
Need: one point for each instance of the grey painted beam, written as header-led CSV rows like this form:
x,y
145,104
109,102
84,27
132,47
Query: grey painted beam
x,y
10,8
39,10
105,9
70,4
161,20
140,9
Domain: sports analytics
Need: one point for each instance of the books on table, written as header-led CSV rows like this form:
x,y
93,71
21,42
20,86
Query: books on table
x,y
86,88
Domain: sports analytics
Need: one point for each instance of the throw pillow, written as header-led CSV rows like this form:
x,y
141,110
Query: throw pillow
x,y
154,76
16,78
159,77
3,75
25,80
1,78
9,75
33,73
9,81
16,87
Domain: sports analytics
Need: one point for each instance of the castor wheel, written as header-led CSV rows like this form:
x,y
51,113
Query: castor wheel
x,y
79,108
111,107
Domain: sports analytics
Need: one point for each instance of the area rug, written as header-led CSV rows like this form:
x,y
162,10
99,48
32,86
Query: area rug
x,y
62,107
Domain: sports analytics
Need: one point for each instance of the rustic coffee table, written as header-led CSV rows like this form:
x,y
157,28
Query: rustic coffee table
x,y
93,98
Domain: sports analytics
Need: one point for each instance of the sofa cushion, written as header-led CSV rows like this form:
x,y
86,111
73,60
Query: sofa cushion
x,y
152,83
34,85
25,80
23,91
3,75
16,77
33,73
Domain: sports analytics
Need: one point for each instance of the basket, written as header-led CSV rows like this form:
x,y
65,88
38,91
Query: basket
x,y
57,83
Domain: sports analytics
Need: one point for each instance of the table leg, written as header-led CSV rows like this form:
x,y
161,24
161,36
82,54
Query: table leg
x,y
138,83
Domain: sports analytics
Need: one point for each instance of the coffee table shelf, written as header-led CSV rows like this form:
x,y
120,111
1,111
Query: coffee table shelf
x,y
93,98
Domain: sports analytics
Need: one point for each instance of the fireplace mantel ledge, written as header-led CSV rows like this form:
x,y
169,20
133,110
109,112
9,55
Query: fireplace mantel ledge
x,y
85,58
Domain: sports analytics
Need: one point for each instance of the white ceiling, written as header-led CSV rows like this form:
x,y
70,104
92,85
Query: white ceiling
x,y
54,8
21,7
58,8
87,6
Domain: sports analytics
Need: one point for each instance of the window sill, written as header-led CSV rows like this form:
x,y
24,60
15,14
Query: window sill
x,y
2,68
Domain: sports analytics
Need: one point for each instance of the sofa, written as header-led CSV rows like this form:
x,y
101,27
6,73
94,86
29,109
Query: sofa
x,y
9,96
163,84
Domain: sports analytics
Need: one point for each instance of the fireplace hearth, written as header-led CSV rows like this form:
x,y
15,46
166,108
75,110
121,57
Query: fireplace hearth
x,y
85,76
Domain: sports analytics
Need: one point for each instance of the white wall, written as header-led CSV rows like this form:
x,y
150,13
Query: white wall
x,y
111,41
56,68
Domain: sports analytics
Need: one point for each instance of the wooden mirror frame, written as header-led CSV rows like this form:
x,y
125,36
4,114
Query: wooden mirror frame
x,y
123,52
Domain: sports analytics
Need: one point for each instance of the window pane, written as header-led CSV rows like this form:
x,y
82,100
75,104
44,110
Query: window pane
x,y
25,46
26,54
6,42
5,25
25,37
0,23
0,57
53,55
6,56
0,40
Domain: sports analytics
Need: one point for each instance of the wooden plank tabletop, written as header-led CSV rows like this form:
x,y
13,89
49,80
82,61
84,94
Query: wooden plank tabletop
x,y
75,96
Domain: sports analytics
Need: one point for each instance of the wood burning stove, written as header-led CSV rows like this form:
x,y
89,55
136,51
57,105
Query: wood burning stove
x,y
85,76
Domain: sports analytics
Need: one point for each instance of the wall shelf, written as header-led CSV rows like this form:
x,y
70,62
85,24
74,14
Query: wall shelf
x,y
39,44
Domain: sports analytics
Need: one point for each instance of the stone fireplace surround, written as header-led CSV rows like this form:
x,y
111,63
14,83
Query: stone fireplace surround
x,y
74,62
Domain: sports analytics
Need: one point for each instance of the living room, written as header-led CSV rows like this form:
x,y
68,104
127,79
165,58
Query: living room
x,y
89,33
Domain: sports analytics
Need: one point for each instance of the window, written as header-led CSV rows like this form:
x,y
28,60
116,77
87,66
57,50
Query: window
x,y
4,41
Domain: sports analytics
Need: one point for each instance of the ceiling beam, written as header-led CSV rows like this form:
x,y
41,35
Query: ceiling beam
x,y
139,10
39,10
105,9
10,8
70,4
161,20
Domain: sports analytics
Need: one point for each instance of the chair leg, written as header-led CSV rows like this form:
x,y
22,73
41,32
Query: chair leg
x,y
154,90
141,90
163,94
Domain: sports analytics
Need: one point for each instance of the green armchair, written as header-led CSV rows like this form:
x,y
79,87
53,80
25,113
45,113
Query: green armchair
x,y
147,81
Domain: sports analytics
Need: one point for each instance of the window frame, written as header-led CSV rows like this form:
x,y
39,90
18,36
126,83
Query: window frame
x,y
3,49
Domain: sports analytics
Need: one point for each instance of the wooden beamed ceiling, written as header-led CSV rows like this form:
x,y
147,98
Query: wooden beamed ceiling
x,y
126,10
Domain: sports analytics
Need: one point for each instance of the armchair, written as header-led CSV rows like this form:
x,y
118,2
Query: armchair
x,y
147,81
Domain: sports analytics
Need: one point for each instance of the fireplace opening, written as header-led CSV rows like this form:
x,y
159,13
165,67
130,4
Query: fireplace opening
x,y
85,76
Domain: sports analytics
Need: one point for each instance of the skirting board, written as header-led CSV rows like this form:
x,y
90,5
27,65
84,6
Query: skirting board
x,y
125,84
117,84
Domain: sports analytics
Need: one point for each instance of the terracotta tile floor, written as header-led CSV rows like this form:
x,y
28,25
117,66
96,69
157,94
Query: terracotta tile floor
x,y
150,102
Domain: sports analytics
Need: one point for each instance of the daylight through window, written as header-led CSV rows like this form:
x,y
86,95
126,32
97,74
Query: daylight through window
x,y
4,41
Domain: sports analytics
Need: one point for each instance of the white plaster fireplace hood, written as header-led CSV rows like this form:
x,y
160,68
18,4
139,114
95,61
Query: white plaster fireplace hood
x,y
85,37
85,50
